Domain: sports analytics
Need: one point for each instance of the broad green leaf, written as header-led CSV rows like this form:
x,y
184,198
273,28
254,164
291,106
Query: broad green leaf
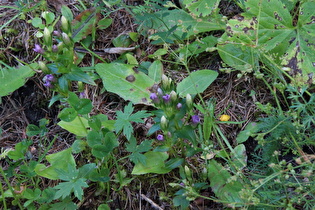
x,y
250,129
198,46
239,156
13,78
78,146
154,164
51,171
19,150
155,71
196,82
68,114
128,83
78,126
77,74
84,24
202,7
66,12
222,184
104,23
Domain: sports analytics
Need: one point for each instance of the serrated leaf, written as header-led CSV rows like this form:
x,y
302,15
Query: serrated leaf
x,y
125,118
13,78
66,188
196,82
277,38
183,23
126,82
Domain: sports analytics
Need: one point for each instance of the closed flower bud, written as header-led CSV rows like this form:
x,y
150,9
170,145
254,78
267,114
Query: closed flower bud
x,y
173,95
163,123
159,91
166,98
47,37
64,24
154,97
43,67
179,106
189,101
166,82
66,39
54,48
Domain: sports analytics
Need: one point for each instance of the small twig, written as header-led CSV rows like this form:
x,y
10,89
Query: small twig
x,y
151,202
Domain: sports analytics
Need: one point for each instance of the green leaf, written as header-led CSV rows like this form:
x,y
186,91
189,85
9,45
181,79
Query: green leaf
x,y
64,205
154,164
276,40
66,12
222,184
104,23
84,24
77,74
196,82
127,83
78,126
19,150
156,71
125,118
239,156
68,114
201,7
78,146
136,150
250,129
102,149
38,23
13,78
50,171
183,24
66,188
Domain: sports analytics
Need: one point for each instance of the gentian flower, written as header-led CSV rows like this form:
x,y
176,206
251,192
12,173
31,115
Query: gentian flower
x,y
47,84
38,49
55,48
166,98
179,105
160,137
195,119
154,97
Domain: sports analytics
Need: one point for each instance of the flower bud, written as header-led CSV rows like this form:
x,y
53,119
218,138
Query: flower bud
x,y
179,106
159,91
154,98
39,49
54,48
166,98
163,123
166,82
47,37
43,67
64,24
66,39
189,101
173,95
195,119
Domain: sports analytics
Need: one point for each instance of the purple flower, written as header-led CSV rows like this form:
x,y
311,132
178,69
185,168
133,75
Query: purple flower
x,y
166,98
160,137
179,105
55,48
49,77
154,97
195,119
48,84
82,95
56,33
38,49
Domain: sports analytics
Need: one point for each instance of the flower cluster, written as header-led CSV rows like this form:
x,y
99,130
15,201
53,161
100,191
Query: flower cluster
x,y
48,80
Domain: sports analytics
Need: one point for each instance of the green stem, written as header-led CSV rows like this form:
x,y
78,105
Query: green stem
x,y
10,188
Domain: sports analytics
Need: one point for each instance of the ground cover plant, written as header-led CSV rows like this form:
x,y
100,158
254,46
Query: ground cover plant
x,y
205,104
